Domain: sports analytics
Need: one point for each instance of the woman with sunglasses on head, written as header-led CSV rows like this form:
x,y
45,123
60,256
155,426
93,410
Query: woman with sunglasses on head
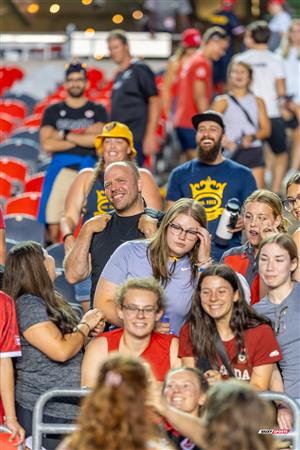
x,y
262,214
278,261
225,330
292,205
52,337
173,256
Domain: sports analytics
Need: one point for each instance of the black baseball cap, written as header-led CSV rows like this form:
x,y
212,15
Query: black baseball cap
x,y
209,115
75,68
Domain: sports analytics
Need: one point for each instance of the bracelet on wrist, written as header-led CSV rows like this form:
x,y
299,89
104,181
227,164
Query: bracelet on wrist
x,y
85,323
10,418
78,330
67,235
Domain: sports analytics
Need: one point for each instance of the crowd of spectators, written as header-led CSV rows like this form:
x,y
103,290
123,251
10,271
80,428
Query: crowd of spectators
x,y
193,288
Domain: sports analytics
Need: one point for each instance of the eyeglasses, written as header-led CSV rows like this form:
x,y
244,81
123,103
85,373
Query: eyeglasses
x,y
134,310
290,202
189,234
279,321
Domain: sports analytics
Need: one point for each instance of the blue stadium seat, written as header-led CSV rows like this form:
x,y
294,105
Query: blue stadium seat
x,y
20,228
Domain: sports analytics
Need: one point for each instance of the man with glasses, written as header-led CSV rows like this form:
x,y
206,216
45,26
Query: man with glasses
x,y
68,132
140,304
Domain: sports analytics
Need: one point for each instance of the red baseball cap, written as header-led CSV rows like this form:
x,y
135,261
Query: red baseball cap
x,y
191,37
276,2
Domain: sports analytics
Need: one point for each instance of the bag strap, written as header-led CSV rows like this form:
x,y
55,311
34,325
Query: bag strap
x,y
223,355
235,100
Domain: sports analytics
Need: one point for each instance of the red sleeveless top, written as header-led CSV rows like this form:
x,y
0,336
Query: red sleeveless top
x,y
157,354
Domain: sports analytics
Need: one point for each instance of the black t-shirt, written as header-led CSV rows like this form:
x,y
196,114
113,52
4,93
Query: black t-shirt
x,y
61,117
131,91
118,230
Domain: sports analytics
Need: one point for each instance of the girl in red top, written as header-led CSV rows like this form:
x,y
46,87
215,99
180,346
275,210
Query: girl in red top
x,y
219,308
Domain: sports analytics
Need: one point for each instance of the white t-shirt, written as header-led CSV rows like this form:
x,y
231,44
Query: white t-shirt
x,y
292,74
267,68
280,22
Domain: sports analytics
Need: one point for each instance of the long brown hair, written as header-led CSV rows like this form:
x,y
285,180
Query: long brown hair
x,y
202,327
158,252
25,273
233,415
114,416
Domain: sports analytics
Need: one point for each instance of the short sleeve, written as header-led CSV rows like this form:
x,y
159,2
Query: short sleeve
x,y
201,72
2,223
146,80
9,333
278,68
266,349
100,114
48,119
185,345
174,192
116,268
30,311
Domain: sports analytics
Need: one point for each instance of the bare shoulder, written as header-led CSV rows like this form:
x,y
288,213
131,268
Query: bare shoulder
x,y
220,103
146,174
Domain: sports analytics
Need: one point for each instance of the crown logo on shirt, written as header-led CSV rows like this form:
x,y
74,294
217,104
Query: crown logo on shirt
x,y
209,193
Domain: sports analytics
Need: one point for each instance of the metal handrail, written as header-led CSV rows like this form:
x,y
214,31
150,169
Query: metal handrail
x,y
294,434
39,427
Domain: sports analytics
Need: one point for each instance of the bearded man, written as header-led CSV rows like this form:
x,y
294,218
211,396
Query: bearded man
x,y
212,179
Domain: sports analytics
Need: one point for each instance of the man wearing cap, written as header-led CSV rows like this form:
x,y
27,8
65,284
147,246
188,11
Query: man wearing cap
x,y
102,234
195,89
211,179
134,99
68,132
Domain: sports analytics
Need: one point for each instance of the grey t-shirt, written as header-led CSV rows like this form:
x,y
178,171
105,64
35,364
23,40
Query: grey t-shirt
x,y
130,261
286,318
35,372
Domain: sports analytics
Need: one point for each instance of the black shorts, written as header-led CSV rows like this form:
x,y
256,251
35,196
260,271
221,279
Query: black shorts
x,y
249,157
278,140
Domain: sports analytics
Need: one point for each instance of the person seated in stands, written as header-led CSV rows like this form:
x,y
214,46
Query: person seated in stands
x,y
225,330
185,389
140,305
102,234
278,260
87,196
292,205
52,338
262,214
232,417
173,256
116,415
9,348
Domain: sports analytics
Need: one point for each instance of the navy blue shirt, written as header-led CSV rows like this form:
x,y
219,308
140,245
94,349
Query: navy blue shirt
x,y
212,185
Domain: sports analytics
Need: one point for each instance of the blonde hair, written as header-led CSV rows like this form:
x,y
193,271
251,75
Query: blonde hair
x,y
285,44
273,200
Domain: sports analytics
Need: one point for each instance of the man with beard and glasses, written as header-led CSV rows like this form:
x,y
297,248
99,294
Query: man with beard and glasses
x,y
68,132
211,179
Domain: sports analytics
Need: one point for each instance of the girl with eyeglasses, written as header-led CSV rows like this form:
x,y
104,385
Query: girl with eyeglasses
x,y
292,205
278,261
226,331
180,248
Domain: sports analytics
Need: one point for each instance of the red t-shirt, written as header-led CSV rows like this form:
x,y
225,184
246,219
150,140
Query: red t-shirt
x,y
197,68
9,334
157,354
2,223
261,347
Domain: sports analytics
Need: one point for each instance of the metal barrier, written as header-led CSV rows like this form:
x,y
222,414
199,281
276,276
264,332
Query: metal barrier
x,y
39,427
293,435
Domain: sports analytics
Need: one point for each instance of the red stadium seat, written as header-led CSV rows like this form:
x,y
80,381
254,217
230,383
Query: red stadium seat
x,y
34,183
14,108
5,186
24,204
5,443
14,168
6,124
33,121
